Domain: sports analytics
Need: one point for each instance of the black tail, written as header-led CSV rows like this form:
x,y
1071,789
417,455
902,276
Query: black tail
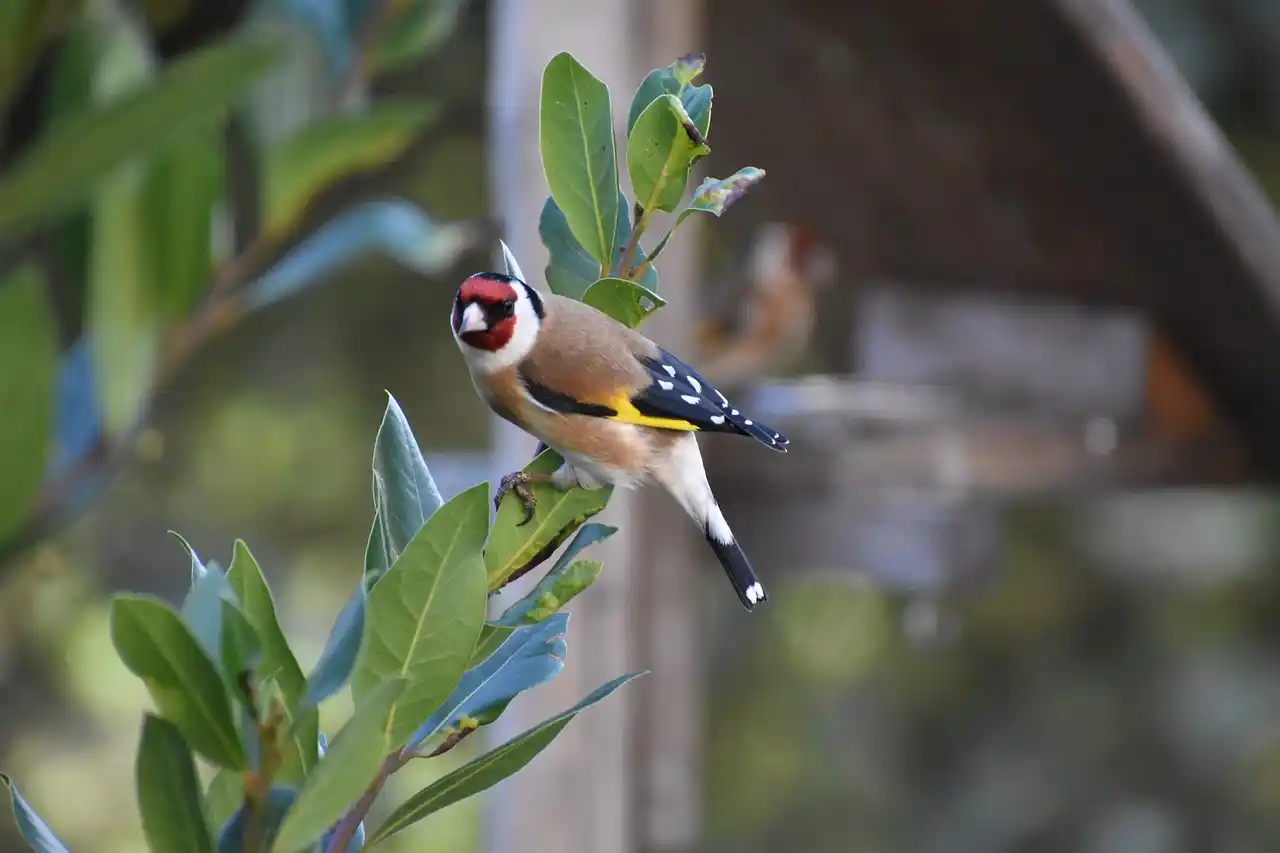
x,y
736,565
766,435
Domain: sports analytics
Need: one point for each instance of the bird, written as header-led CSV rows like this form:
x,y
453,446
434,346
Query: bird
x,y
619,409
764,316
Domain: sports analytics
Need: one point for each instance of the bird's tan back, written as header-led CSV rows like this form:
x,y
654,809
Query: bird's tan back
x,y
586,354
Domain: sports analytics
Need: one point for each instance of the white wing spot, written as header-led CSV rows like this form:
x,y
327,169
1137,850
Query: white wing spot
x,y
696,385
724,401
670,370
747,422
717,419
734,413
665,385
690,399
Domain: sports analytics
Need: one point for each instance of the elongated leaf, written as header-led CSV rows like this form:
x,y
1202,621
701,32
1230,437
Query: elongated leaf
x,y
404,494
28,360
565,580
376,557
231,837
660,152
491,637
425,615
250,587
298,169
60,169
391,226
489,769
553,592
675,79
125,316
578,154
513,549
625,301
184,683
173,815
223,795
78,418
202,607
341,651
182,184
570,270
530,656
418,28
241,650
350,763
34,830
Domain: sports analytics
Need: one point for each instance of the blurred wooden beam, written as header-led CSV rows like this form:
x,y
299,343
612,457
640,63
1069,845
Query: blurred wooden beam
x,y
624,776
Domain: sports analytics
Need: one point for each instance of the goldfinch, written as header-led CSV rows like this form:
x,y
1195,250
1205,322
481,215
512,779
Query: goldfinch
x,y
617,407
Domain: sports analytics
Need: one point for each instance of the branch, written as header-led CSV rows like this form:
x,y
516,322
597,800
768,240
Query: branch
x,y
345,831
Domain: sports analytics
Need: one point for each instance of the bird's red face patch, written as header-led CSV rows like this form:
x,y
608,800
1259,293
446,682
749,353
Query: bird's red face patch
x,y
495,298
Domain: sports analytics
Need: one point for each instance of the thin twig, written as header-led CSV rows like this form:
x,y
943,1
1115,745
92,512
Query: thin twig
x,y
345,831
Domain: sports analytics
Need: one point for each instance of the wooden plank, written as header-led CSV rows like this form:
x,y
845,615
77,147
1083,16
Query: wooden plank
x,y
623,777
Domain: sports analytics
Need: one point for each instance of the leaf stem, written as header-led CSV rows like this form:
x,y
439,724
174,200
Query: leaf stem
x,y
345,831
624,265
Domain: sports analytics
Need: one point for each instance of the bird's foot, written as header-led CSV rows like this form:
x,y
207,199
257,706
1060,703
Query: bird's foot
x,y
520,482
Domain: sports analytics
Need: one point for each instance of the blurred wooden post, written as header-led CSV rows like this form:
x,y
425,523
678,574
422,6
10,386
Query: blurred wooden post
x,y
624,776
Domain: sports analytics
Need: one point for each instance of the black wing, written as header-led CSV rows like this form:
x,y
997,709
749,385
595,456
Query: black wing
x,y
677,391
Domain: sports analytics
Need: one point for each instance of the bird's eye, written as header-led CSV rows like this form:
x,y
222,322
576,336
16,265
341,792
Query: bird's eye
x,y
507,308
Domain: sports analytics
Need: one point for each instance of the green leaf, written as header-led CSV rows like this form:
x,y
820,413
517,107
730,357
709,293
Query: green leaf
x,y
60,170
491,636
350,763
184,683
28,364
202,607
514,549
565,580
250,586
231,838
376,558
714,196
224,794
420,28
661,150
489,769
510,262
570,270
404,494
341,650
623,300
424,616
31,826
675,79
578,153
531,655
298,169
241,651
183,183
173,815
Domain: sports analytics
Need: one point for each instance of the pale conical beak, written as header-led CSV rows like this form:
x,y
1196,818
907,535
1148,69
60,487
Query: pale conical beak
x,y
472,320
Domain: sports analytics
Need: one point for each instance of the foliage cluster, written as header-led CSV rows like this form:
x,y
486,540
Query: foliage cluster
x,y
424,665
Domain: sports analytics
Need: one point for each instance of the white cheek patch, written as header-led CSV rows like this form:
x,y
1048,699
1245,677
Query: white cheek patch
x,y
523,336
